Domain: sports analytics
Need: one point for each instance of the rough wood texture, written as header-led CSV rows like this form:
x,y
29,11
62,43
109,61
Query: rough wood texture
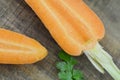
x,y
17,16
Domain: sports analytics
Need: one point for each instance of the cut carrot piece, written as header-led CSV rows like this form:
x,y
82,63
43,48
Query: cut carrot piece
x,y
16,48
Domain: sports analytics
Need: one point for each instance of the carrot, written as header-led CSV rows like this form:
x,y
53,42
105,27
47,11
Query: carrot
x,y
63,28
76,28
16,48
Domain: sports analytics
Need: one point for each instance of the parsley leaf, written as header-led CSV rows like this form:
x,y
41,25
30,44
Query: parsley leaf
x,y
63,56
61,66
77,75
66,68
65,75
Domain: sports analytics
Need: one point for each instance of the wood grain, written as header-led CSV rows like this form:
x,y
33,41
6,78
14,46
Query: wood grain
x,y
17,16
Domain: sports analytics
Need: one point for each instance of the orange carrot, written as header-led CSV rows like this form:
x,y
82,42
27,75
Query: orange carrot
x,y
16,48
71,23
76,28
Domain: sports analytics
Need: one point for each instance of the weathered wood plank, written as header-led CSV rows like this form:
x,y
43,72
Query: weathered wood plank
x,y
17,16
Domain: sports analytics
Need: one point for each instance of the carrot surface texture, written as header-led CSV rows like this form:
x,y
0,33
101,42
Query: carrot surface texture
x,y
76,28
16,48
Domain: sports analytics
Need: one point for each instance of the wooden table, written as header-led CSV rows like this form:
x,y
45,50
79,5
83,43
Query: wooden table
x,y
17,16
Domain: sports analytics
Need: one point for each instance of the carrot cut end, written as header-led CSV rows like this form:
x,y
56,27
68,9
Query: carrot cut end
x,y
102,60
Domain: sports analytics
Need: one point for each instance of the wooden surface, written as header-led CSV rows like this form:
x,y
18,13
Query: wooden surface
x,y
15,15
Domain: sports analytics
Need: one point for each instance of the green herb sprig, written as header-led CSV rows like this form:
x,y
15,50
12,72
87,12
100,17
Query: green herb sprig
x,y
66,68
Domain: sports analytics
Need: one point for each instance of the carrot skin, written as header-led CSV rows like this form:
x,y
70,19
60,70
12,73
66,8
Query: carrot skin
x,y
16,48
